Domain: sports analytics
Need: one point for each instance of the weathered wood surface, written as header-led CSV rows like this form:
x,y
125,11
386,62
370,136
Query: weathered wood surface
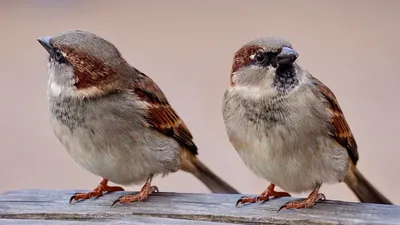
x,y
52,207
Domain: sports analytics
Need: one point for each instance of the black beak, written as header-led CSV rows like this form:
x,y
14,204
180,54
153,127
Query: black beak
x,y
45,42
286,56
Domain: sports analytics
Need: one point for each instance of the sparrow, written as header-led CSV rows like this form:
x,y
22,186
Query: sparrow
x,y
288,127
114,120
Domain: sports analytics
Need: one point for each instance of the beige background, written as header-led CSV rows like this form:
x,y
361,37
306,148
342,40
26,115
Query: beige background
x,y
187,48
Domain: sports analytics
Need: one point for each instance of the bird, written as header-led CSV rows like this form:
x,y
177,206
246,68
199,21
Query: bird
x,y
114,120
288,127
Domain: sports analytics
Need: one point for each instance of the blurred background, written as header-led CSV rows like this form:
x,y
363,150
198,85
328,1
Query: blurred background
x,y
187,48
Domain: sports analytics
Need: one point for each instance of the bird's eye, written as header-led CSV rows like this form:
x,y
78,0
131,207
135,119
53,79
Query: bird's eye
x,y
260,56
58,55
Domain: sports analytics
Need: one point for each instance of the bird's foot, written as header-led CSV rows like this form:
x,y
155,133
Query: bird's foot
x,y
144,193
269,192
97,192
306,203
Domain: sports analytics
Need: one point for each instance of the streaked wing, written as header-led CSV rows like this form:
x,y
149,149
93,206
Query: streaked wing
x,y
161,116
340,129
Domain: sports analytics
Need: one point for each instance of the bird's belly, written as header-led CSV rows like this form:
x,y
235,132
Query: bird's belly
x,y
119,164
295,167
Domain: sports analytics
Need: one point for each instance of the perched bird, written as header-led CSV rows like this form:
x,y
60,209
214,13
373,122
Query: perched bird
x,y
114,120
287,126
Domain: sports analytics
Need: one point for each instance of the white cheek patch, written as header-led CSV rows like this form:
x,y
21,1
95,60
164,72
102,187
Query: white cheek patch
x,y
254,92
55,89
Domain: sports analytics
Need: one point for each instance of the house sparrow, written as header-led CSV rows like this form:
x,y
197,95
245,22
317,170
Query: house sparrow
x,y
287,126
114,120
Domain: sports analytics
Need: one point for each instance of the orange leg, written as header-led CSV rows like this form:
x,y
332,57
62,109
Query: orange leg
x,y
306,203
269,192
144,193
97,192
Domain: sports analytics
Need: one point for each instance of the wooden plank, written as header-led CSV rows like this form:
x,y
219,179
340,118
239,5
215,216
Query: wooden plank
x,y
36,206
138,220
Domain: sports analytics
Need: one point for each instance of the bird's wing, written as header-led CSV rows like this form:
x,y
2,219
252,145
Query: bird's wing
x,y
161,116
340,129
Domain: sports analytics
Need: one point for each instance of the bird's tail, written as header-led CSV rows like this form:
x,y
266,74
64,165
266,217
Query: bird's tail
x,y
190,163
362,188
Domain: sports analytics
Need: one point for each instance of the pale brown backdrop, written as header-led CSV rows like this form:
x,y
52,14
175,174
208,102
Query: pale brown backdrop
x,y
187,48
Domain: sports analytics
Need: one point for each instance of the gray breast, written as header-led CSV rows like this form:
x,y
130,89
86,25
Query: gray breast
x,y
109,137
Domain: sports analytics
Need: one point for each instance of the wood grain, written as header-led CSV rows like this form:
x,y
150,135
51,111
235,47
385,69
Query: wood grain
x,y
51,207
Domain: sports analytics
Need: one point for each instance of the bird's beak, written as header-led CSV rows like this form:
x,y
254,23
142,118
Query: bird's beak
x,y
286,56
45,42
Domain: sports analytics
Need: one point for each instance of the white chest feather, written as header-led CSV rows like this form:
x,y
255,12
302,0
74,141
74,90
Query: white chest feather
x,y
90,156
121,157
290,151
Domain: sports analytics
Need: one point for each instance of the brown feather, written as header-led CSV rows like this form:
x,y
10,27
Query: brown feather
x,y
340,129
242,58
161,116
88,70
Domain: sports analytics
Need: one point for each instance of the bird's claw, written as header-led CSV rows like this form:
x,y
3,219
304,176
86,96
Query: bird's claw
x,y
306,203
245,200
115,202
142,195
83,196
